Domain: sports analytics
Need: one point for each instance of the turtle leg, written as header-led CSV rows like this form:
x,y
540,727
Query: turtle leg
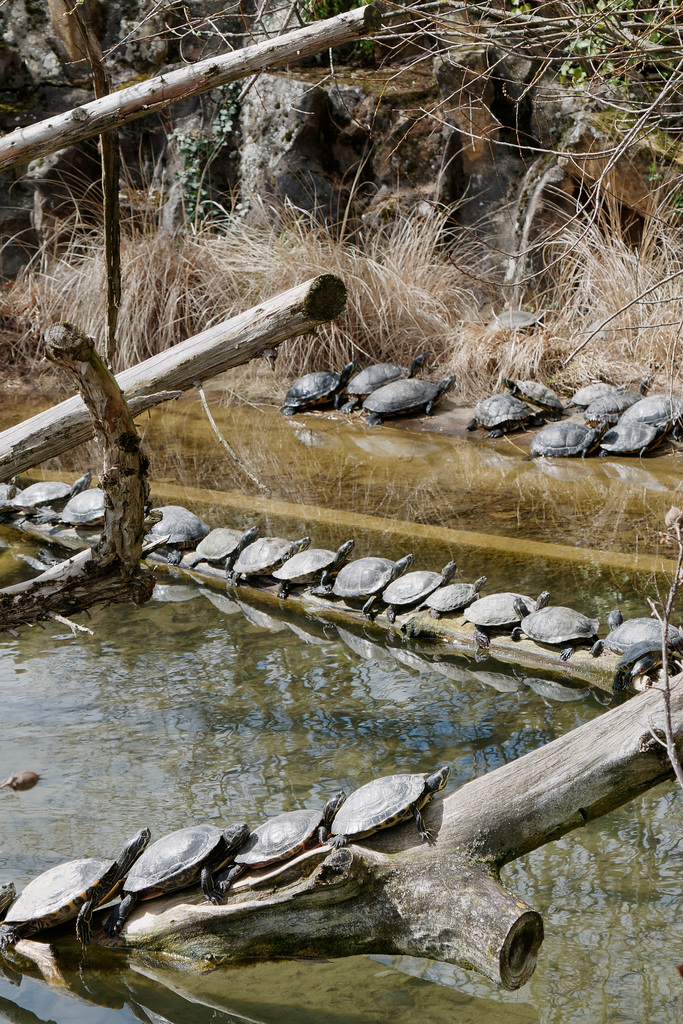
x,y
283,589
288,410
567,652
374,419
481,638
425,833
517,633
367,608
338,841
119,915
391,613
350,405
429,408
496,433
174,556
224,880
326,582
212,894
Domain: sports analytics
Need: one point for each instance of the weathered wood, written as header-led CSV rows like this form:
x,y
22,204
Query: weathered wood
x,y
393,894
118,108
110,570
230,343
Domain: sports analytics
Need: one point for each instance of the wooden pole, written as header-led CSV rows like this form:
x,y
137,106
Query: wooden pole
x,y
118,108
230,343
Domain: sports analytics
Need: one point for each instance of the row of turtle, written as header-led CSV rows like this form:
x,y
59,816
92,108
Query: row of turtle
x,y
383,390
616,420
210,857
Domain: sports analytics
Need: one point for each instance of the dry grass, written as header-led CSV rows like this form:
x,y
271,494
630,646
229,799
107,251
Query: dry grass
x,y
406,295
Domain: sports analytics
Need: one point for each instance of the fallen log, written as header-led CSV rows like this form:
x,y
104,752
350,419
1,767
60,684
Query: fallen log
x,y
110,570
118,108
230,343
394,894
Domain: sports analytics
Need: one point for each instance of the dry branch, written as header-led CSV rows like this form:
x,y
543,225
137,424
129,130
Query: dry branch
x,y
116,109
394,894
230,343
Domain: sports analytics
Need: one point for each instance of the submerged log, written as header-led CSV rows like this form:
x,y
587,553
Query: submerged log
x,y
393,894
230,343
110,570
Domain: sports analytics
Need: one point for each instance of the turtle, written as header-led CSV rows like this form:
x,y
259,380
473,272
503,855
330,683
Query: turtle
x,y
284,836
177,861
405,398
182,528
84,509
376,376
365,578
609,408
635,438
567,439
7,493
663,412
515,320
48,492
625,633
453,597
556,624
386,801
315,389
537,394
502,609
264,555
413,587
641,659
584,396
315,565
222,547
7,896
500,414
73,889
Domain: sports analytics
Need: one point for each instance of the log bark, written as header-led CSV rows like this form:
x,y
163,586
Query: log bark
x,y
110,571
393,894
116,109
230,343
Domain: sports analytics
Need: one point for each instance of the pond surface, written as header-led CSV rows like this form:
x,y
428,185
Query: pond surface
x,y
197,709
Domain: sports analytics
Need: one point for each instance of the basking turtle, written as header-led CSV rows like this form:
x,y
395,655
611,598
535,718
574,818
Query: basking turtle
x,y
284,836
222,547
624,634
609,408
77,887
264,555
405,398
364,579
635,438
178,861
590,393
315,389
376,376
664,412
7,895
183,528
515,320
413,587
567,439
555,624
316,565
453,598
497,610
84,509
641,659
7,493
386,801
48,492
537,394
501,414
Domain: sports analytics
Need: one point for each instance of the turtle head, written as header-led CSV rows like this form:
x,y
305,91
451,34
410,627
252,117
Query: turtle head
x,y
542,600
438,779
445,385
614,619
448,572
645,386
331,808
236,835
81,484
248,538
520,607
345,375
478,584
343,552
299,545
417,363
401,566
507,383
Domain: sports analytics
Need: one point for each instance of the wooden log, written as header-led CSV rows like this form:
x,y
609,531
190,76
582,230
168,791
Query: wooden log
x,y
118,108
392,893
230,343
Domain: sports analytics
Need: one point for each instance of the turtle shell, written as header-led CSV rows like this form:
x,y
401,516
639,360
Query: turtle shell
x,y
174,861
58,894
364,577
219,544
631,438
502,411
376,376
454,596
317,388
283,836
400,396
183,527
565,439
497,609
638,631
86,507
306,566
610,407
42,493
412,587
538,394
658,410
556,624
378,804
514,319
584,396
266,554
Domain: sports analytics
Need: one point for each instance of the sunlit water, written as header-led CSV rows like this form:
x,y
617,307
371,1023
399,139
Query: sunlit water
x,y
199,710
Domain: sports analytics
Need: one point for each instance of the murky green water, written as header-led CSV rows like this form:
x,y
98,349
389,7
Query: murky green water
x,y
198,710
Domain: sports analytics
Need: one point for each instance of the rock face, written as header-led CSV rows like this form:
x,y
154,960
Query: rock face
x,y
463,129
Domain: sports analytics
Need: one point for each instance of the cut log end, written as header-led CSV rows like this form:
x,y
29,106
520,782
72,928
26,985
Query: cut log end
x,y
519,953
326,298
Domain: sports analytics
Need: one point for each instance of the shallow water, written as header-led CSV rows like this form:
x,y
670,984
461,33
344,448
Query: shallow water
x,y
195,709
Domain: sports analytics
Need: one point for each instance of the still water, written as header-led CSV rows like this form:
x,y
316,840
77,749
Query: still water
x,y
197,709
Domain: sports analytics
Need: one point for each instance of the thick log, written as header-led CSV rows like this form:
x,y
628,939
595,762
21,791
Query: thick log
x,y
116,109
230,343
110,571
393,894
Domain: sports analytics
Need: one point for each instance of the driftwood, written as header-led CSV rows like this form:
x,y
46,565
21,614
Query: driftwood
x,y
393,894
230,343
116,109
110,570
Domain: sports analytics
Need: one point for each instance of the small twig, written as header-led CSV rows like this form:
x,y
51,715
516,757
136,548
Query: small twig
x,y
231,451
75,627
